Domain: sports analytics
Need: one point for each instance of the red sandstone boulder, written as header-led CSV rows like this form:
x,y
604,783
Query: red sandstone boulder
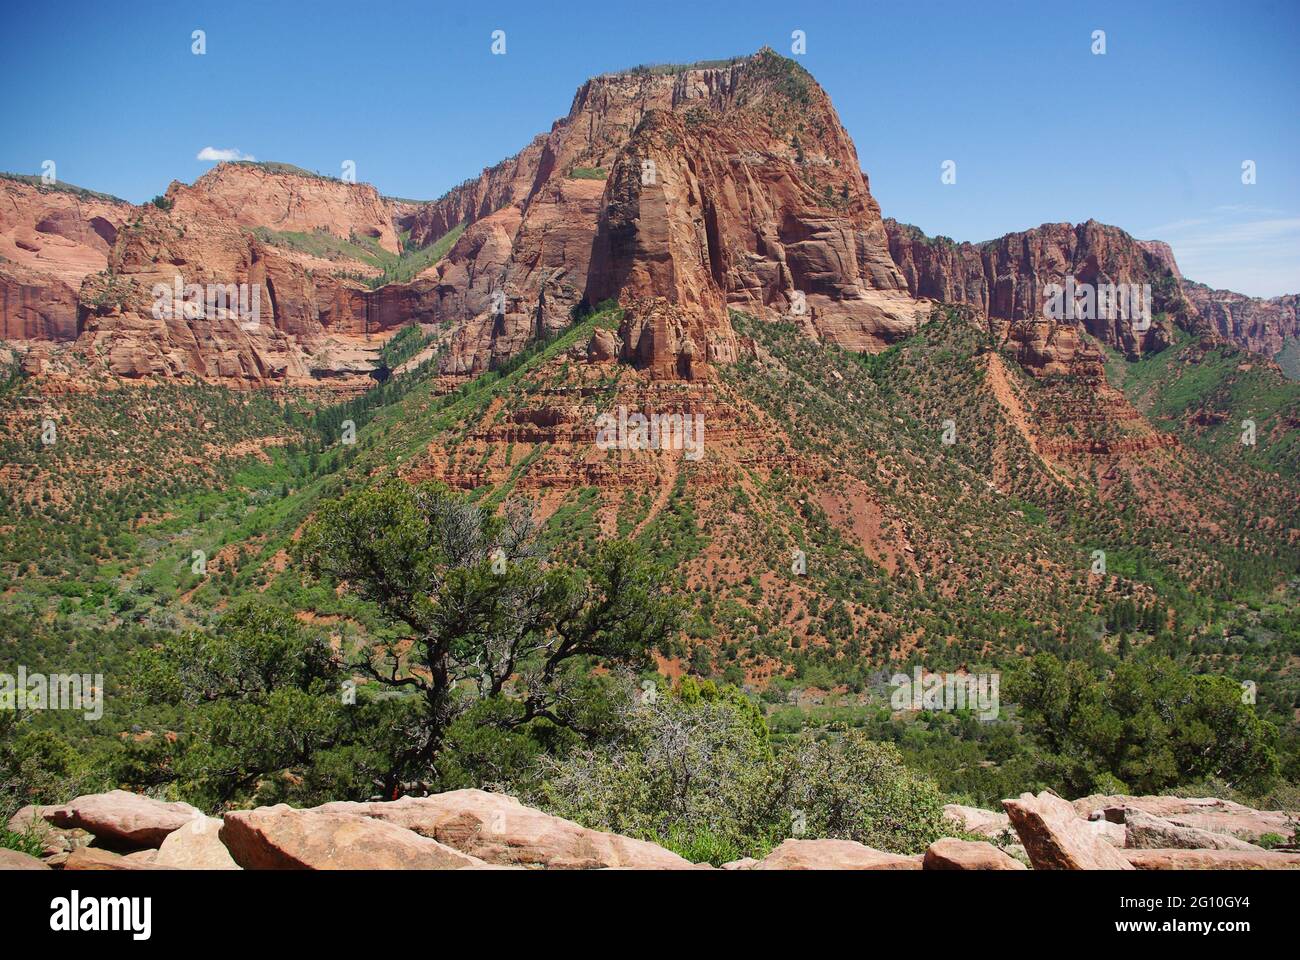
x,y
834,855
952,854
92,858
123,817
196,846
1056,838
498,829
282,838
16,860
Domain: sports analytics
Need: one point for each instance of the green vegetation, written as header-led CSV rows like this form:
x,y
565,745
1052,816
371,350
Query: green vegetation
x,y
232,685
394,268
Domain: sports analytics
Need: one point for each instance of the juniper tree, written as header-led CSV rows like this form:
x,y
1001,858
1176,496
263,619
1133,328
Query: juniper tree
x,y
485,616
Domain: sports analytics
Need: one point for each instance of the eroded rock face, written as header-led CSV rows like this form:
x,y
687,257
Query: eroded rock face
x,y
122,817
1057,838
728,187
282,838
248,194
1006,278
1202,813
833,855
1256,324
1146,832
500,830
953,854
50,240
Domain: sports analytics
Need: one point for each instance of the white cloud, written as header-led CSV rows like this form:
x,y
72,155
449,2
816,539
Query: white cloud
x,y
217,155
1238,247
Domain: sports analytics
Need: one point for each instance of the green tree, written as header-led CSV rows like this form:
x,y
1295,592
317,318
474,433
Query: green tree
x,y
485,617
1148,726
260,700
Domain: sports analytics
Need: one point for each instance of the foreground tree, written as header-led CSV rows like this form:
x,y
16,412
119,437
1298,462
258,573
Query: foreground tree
x,y
486,618
260,709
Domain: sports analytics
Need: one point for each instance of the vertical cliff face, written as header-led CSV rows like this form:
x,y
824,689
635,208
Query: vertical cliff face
x,y
690,191
51,237
1256,324
1007,277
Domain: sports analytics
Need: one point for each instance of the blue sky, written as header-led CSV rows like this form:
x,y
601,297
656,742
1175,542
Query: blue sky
x,y
1150,137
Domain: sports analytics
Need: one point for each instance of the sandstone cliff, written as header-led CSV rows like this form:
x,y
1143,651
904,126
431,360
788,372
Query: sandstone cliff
x,y
700,190
1006,277
283,198
51,237
1256,324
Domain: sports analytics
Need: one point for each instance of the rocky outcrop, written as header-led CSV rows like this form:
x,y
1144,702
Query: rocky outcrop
x,y
986,823
710,188
1007,278
286,199
51,238
1202,813
1057,838
282,838
499,829
122,817
1146,832
474,829
1260,325
952,854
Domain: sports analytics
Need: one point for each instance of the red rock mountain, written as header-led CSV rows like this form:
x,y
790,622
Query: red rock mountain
x,y
686,193
682,192
51,237
1006,277
1257,324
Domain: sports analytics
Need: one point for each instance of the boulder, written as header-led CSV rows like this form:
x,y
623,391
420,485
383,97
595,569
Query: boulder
x,y
953,854
1147,832
122,817
196,846
282,838
834,855
1203,813
1056,838
55,841
986,823
1212,859
16,860
744,863
603,347
497,828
